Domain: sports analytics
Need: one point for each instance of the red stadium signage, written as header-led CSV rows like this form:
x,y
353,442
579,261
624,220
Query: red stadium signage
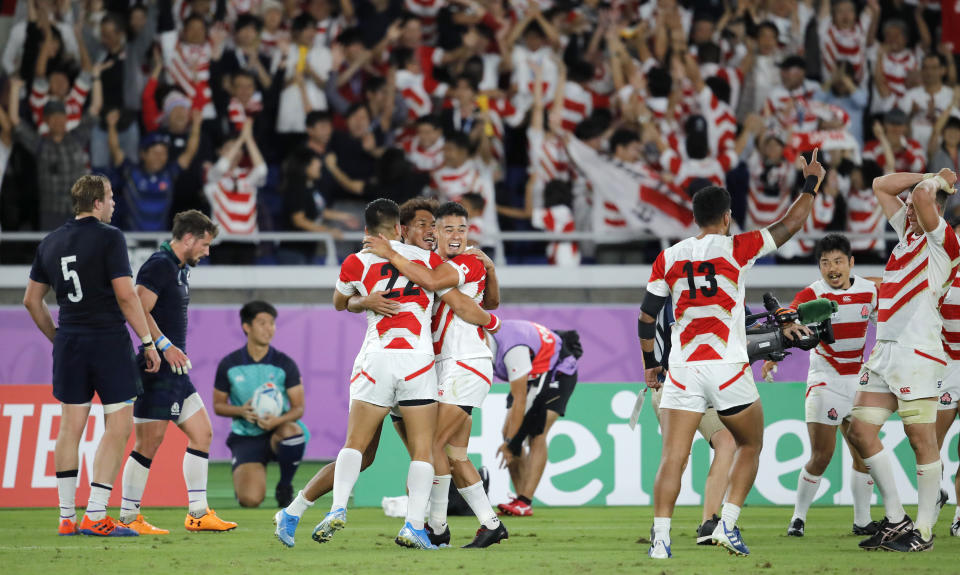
x,y
29,420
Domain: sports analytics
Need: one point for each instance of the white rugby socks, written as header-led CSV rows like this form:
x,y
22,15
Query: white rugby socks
x,y
730,513
862,489
99,499
439,498
67,490
661,530
807,486
195,464
928,491
299,505
479,503
882,473
419,484
135,474
345,476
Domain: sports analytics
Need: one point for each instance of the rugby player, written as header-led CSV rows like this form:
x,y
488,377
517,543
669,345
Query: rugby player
x,y
399,355
832,379
85,262
163,286
541,366
907,364
709,366
255,440
950,390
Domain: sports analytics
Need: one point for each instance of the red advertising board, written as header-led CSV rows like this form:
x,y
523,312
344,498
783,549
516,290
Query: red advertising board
x,y
29,420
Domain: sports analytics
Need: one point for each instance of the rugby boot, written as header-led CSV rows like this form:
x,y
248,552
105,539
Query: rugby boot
x,y
208,522
141,526
658,547
908,542
955,528
729,538
516,508
439,539
67,527
286,527
796,528
868,529
105,527
332,522
413,538
705,530
887,531
486,537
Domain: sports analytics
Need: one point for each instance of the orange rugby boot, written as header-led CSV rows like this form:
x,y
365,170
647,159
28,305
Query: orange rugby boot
x,y
105,527
141,526
208,522
68,527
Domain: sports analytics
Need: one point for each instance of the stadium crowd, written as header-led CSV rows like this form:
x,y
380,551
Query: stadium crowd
x,y
535,114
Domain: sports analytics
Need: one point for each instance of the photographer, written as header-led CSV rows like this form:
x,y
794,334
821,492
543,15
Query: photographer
x,y
832,380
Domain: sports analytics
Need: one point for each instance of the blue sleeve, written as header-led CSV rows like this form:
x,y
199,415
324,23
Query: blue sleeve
x,y
37,273
118,261
221,382
154,276
292,372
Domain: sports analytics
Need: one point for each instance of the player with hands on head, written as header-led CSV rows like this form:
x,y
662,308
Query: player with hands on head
x,y
164,291
85,262
907,363
703,276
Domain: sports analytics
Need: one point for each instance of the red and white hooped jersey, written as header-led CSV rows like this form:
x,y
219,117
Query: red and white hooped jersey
x,y
232,193
577,105
950,312
769,195
915,282
704,278
452,336
558,219
684,170
792,109
838,45
895,67
864,216
857,307
426,12
910,158
424,159
824,208
409,330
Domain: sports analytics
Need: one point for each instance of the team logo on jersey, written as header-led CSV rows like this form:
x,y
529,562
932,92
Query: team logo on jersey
x,y
846,299
946,398
865,378
904,390
832,414
865,311
175,408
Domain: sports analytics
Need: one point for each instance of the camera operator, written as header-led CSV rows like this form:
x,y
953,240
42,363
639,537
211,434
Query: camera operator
x,y
832,380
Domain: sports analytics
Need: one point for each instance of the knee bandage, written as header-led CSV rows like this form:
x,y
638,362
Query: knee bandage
x,y
455,453
871,415
111,407
917,411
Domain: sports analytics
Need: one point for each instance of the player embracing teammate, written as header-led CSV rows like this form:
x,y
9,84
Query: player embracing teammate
x,y
907,364
704,277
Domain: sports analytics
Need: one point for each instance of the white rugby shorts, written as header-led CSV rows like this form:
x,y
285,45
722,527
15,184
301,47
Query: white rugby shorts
x,y
906,372
826,404
949,386
386,379
464,382
698,386
709,424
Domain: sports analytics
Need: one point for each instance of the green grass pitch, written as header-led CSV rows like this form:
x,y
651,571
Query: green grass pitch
x,y
563,541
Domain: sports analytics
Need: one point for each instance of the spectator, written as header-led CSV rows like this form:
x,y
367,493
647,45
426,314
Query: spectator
x,y
556,216
891,148
308,64
148,186
55,85
42,15
788,105
474,204
231,188
354,156
462,174
944,147
772,181
844,93
187,56
893,62
273,37
844,38
61,155
425,149
925,103
245,55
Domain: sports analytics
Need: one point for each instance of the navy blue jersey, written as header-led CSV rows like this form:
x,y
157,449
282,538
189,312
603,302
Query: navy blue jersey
x,y
162,275
79,260
239,376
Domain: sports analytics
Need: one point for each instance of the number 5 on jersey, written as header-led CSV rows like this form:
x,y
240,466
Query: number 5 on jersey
x,y
71,276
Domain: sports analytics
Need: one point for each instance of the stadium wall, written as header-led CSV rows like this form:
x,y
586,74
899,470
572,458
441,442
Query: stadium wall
x,y
594,458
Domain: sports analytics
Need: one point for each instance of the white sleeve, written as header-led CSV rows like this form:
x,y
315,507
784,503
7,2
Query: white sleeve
x,y
899,222
518,364
347,288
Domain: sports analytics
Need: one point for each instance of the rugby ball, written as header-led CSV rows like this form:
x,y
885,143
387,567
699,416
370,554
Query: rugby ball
x,y
267,400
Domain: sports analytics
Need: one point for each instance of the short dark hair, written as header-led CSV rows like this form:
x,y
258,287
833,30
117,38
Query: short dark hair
x,y
315,116
474,200
769,26
409,209
400,57
709,53
832,243
458,139
245,20
380,214
86,191
709,205
719,87
252,309
558,193
356,107
581,71
193,16
245,74
430,120
302,22
193,222
374,84
471,81
623,137
450,209
352,35
659,82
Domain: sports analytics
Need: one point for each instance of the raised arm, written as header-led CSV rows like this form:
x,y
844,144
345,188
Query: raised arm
x,y
924,195
193,143
791,222
113,140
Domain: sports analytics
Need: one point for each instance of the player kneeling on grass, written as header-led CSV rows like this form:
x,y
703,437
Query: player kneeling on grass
x,y
256,439
907,364
85,261
394,369
832,379
709,365
169,395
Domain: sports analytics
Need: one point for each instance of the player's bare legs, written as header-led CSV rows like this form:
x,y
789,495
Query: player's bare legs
x,y
747,430
718,478
823,442
862,487
109,457
66,458
421,426
923,440
450,419
945,419
536,460
677,428
136,470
